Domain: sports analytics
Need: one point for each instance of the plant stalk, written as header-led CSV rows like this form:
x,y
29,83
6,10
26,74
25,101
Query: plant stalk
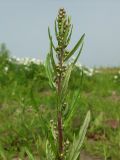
x,y
59,116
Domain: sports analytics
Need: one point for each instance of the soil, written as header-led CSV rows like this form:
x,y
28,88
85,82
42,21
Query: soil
x,y
86,156
83,156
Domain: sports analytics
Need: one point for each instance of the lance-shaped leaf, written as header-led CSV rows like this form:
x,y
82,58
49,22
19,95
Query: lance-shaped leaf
x,y
53,131
49,132
67,77
66,34
65,82
72,109
2,153
30,156
75,48
69,37
74,150
52,141
56,31
75,60
73,105
67,31
49,152
50,37
62,25
52,58
49,71
44,123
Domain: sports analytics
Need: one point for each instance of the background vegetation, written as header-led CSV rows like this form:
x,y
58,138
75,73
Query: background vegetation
x,y
25,97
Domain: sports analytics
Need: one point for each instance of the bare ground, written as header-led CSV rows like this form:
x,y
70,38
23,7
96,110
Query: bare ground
x,y
86,156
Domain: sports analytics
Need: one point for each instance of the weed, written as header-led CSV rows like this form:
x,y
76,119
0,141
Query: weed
x,y
58,146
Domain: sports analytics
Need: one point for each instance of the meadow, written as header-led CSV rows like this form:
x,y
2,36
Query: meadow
x,y
27,104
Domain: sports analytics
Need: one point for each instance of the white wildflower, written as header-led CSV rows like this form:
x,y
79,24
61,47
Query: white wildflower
x,y
6,68
115,77
91,70
79,65
90,74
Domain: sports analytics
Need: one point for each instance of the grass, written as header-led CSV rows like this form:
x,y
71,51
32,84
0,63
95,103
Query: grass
x,y
25,97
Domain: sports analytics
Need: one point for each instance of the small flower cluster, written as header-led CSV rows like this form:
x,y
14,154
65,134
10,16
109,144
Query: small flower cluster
x,y
53,127
66,147
60,70
64,105
60,73
64,25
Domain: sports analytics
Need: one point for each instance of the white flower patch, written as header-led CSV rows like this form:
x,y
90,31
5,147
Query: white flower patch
x,y
87,71
26,60
115,77
6,68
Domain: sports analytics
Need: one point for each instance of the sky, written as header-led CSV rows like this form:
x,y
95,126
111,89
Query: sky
x,y
24,25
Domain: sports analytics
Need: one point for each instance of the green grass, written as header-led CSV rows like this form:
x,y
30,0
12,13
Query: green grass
x,y
25,99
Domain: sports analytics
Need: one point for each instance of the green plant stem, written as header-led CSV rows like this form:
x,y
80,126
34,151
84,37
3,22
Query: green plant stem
x,y
59,116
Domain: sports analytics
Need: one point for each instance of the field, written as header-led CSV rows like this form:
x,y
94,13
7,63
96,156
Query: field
x,y
26,103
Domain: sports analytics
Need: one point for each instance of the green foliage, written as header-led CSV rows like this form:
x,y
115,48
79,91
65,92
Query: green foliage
x,y
59,74
75,48
49,71
27,123
74,150
49,153
30,156
2,153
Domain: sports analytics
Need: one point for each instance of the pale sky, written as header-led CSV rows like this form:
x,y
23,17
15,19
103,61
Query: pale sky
x,y
24,23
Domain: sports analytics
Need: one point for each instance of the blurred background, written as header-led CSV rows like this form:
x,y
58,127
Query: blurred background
x,y
23,28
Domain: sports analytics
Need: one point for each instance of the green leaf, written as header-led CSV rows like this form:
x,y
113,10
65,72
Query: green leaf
x,y
52,58
51,51
49,152
2,153
50,37
69,37
74,150
62,25
72,109
73,105
67,30
66,34
49,132
52,138
56,32
75,48
78,55
44,124
49,71
49,34
53,131
30,156
65,83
